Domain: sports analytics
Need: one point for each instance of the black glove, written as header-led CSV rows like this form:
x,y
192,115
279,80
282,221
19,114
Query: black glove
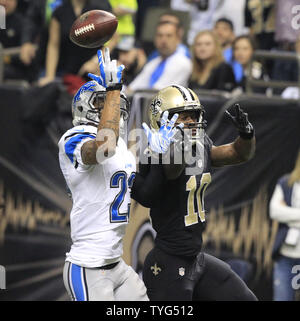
x,y
240,121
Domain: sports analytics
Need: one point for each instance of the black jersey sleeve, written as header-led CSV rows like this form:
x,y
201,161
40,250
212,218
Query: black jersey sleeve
x,y
208,141
148,185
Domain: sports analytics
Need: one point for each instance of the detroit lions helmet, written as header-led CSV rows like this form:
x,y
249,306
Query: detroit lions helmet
x,y
89,101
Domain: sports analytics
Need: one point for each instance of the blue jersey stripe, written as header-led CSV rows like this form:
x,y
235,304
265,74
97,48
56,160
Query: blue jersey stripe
x,y
77,282
72,143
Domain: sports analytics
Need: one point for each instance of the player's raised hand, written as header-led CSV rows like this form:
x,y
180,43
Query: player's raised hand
x,y
110,74
159,141
241,122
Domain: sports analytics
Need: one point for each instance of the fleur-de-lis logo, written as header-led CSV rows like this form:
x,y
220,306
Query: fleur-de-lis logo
x,y
155,269
155,106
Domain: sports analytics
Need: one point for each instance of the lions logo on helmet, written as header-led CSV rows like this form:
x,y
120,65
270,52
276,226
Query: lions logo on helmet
x,y
88,103
84,109
176,99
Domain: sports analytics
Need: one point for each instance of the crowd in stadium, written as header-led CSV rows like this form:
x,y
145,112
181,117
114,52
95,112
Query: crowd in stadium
x,y
213,49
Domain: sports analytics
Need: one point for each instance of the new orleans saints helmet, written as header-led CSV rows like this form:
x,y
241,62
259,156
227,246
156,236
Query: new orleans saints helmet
x,y
88,102
176,99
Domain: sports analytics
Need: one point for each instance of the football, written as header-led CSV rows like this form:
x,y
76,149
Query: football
x,y
93,28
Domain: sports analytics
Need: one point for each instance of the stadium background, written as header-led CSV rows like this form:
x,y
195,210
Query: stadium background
x,y
34,205
34,230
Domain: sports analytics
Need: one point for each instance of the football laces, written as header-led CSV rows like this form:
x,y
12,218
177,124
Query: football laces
x,y
84,29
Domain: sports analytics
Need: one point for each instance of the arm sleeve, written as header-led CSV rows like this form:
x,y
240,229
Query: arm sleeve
x,y
148,185
280,212
73,149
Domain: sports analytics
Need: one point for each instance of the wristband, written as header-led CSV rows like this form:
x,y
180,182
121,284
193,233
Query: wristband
x,y
247,135
117,86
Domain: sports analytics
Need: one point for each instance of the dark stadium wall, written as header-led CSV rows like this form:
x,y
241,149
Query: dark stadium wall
x,y
34,206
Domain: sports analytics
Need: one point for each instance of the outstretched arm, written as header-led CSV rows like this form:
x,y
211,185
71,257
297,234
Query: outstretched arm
x,y
97,150
242,149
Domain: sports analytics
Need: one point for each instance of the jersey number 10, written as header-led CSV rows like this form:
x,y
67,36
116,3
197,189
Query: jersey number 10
x,y
119,180
191,187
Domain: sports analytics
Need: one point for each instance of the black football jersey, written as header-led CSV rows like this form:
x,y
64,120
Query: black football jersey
x,y
177,212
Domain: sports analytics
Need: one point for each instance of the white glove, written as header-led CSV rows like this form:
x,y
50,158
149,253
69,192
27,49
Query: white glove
x,y
159,141
110,74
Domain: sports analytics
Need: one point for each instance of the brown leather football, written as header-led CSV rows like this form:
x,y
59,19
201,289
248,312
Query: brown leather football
x,y
93,28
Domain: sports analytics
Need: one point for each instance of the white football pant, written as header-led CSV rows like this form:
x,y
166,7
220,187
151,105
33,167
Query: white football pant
x,y
120,283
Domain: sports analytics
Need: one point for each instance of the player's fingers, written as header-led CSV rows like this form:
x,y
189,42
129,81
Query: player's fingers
x,y
94,77
227,113
113,70
106,55
114,64
164,118
120,70
101,64
238,109
173,120
147,130
100,56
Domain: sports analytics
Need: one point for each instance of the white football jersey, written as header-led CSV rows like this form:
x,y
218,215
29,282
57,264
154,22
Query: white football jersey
x,y
101,199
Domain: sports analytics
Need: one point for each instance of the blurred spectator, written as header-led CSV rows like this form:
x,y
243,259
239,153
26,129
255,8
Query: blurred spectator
x,y
210,71
143,6
10,38
286,70
124,10
64,58
170,67
131,57
224,31
243,49
285,208
181,48
35,33
260,18
201,14
234,11
289,72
